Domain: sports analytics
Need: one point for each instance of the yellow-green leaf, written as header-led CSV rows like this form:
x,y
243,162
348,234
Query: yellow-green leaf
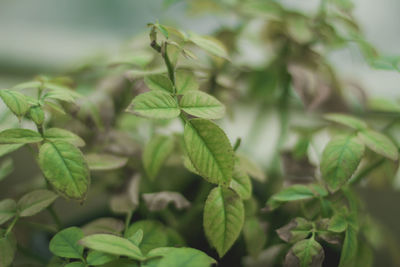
x,y
102,162
57,134
346,120
155,153
185,81
159,82
15,101
8,209
19,136
202,105
35,201
379,143
65,243
209,44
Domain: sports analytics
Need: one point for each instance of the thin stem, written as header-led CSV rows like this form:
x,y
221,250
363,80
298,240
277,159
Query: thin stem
x,y
11,226
55,217
366,171
237,144
127,221
170,66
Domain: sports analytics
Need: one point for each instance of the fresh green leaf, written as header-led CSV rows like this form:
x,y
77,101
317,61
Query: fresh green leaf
x,y
209,150
15,101
209,44
65,168
8,247
57,134
159,82
185,81
295,231
254,236
156,105
346,120
27,85
223,218
8,148
37,115
19,136
340,159
349,249
35,201
102,162
65,243
6,168
8,209
241,182
155,153
137,237
338,223
379,143
202,105
112,244
305,253
154,234
75,264
98,258
180,257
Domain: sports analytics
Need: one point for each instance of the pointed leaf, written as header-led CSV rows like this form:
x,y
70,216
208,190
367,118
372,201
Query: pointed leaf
x,y
181,257
112,244
15,101
65,168
223,218
241,182
209,44
202,105
379,143
349,249
156,105
254,236
35,201
340,160
159,82
57,134
305,253
99,258
65,243
102,162
37,115
104,226
8,247
295,231
155,153
8,148
346,120
209,150
185,81
19,136
137,237
8,209
6,168
338,223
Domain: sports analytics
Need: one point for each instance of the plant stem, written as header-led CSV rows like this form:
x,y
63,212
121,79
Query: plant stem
x,y
11,226
55,217
127,221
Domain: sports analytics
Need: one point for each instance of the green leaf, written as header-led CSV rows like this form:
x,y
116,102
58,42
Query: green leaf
x,y
305,253
15,101
8,148
202,105
159,82
137,237
112,244
295,193
160,200
26,85
37,115
251,168
8,246
6,168
209,44
349,249
19,136
346,120
75,264
65,243
338,223
295,231
254,236
65,168
98,258
223,218
154,234
155,153
62,93
104,226
340,160
241,182
209,150
8,209
57,134
185,81
156,105
181,257
35,201
379,143
102,162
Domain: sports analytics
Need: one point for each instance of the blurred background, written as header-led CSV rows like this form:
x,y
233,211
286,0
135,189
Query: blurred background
x,y
50,37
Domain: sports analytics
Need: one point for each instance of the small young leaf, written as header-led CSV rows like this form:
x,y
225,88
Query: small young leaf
x,y
223,218
305,253
156,105
8,209
65,168
112,244
8,247
6,167
154,234
35,201
202,105
340,160
65,243
185,81
8,148
37,115
338,223
137,237
15,101
241,182
349,249
102,162
346,120
254,236
160,200
295,231
379,143
57,134
159,82
209,150
99,258
180,257
155,153
209,44
19,136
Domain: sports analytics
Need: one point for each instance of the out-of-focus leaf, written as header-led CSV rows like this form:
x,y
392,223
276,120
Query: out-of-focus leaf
x,y
19,136
8,148
295,231
241,182
122,204
35,201
180,257
160,200
102,162
254,236
349,249
36,113
8,247
99,258
6,167
379,143
209,44
103,226
305,253
8,209
251,168
159,82
346,120
15,101
185,81
155,153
